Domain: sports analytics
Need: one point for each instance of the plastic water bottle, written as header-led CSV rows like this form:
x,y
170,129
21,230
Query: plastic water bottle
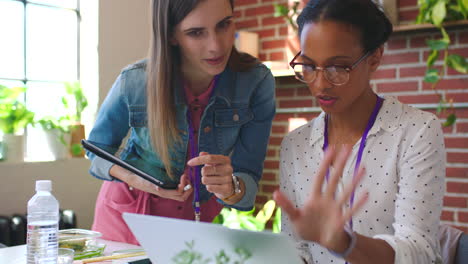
x,y
43,219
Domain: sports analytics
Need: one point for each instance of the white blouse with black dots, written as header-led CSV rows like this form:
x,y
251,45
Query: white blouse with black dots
x,y
404,158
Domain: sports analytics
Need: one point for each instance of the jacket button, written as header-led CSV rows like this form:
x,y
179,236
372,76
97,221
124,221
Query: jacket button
x,y
235,117
207,129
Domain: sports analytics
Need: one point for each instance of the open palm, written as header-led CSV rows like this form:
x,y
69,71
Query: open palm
x,y
323,217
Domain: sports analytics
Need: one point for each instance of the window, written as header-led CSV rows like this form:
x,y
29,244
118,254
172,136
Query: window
x,y
40,49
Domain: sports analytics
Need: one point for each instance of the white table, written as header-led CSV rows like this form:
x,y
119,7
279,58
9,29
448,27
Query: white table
x,y
17,254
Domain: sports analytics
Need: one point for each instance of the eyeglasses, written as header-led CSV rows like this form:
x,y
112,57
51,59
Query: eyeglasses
x,y
337,75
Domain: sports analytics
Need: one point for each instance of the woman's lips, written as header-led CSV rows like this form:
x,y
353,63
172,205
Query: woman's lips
x,y
327,101
215,61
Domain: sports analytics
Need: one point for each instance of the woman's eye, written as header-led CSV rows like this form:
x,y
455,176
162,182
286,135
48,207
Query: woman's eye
x,y
195,33
225,24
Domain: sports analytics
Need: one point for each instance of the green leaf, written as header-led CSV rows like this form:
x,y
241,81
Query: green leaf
x,y
437,44
277,221
457,63
438,13
76,149
267,211
450,120
432,58
280,10
432,76
440,106
463,4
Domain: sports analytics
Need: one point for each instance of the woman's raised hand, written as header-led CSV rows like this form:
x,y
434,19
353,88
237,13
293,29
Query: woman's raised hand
x,y
323,217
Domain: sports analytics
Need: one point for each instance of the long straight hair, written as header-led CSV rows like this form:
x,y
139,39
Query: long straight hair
x,y
163,63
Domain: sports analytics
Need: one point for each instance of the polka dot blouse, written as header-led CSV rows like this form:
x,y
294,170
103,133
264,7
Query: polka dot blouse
x,y
404,158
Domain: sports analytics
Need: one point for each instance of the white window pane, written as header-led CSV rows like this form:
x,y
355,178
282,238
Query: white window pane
x,y
52,50
59,3
37,146
11,39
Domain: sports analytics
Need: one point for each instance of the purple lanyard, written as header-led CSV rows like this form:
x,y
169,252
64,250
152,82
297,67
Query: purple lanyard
x,y
195,172
361,146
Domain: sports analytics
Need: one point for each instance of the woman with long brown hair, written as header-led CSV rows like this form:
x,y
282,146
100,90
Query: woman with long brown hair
x,y
199,114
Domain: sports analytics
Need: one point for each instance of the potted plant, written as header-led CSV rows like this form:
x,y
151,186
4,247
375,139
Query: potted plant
x,y
437,12
290,13
57,132
75,100
14,117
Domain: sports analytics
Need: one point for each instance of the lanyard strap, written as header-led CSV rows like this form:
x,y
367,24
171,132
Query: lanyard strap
x,y
195,172
370,123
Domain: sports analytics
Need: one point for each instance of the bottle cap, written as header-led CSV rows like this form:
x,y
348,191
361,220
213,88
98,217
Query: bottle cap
x,y
45,185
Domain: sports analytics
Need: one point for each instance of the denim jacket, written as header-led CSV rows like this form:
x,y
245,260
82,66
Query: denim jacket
x,y
235,123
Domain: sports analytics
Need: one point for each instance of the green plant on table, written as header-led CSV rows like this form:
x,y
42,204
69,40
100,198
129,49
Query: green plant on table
x,y
236,219
14,115
75,99
437,12
60,124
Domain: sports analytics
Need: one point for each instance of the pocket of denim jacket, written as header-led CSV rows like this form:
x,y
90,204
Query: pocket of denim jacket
x,y
138,116
232,117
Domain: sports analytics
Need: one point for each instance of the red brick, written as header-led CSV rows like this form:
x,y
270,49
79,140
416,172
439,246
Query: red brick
x,y
408,15
284,92
245,2
408,57
277,129
397,87
251,23
456,142
384,74
268,9
463,37
283,31
277,56
267,188
273,21
266,33
462,127
262,57
418,42
271,164
444,84
413,71
460,113
275,141
457,187
271,153
419,99
460,51
273,44
303,91
295,103
463,217
238,14
460,202
396,43
283,117
452,72
269,176
462,228
453,157
447,216
261,199
457,97
457,172
308,116
407,3
448,130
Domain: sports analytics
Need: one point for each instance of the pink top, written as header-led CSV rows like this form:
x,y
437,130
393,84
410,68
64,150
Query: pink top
x,y
115,197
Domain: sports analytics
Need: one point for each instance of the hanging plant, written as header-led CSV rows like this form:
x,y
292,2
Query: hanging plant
x,y
437,12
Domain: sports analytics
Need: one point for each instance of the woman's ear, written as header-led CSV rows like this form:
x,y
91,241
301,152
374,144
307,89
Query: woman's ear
x,y
376,58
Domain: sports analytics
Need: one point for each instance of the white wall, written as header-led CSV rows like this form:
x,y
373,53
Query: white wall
x,y
123,39
124,29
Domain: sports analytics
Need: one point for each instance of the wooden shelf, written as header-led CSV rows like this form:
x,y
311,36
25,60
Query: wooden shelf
x,y
425,27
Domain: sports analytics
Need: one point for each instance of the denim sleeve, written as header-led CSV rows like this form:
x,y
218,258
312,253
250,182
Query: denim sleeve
x,y
110,128
251,145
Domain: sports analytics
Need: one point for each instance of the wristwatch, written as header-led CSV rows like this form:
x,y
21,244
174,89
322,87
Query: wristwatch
x,y
237,188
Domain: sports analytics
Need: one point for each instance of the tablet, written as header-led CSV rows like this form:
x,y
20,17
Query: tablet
x,y
117,161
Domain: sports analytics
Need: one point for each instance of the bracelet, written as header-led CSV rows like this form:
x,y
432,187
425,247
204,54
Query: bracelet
x,y
237,189
350,248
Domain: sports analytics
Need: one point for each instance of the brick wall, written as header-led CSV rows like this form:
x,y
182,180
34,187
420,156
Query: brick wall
x,y
399,75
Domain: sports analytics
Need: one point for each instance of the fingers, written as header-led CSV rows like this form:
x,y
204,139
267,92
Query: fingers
x,y
213,170
173,194
286,205
322,171
224,190
209,159
339,164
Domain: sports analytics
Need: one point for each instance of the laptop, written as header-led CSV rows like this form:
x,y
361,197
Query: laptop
x,y
168,240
